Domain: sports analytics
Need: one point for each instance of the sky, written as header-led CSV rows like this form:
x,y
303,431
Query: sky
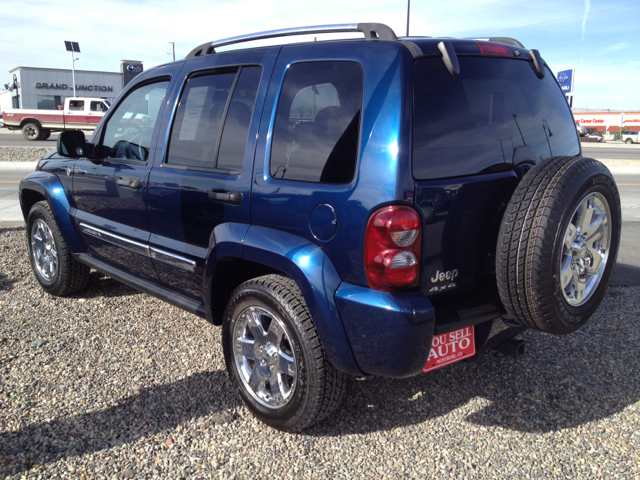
x,y
600,39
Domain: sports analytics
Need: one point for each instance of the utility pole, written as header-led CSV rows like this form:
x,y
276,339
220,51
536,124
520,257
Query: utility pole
x,y
173,47
408,11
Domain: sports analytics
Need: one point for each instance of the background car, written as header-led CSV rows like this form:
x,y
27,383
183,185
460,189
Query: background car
x,y
630,137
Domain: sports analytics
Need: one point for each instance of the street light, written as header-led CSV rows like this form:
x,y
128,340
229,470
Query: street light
x,y
74,48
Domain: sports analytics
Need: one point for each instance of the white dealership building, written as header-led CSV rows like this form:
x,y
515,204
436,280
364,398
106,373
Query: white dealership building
x,y
46,88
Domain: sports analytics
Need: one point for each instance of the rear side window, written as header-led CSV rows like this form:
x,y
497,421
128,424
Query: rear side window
x,y
212,121
316,130
76,105
497,112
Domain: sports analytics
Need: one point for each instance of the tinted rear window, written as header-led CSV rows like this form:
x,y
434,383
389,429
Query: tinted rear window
x,y
495,113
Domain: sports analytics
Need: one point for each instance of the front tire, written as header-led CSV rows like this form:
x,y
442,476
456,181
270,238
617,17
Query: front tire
x,y
274,355
558,244
31,131
53,265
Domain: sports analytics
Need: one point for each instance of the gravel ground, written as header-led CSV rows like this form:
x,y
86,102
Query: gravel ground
x,y
23,154
129,387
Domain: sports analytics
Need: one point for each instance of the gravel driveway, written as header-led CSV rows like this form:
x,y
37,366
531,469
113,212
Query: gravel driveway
x,y
129,387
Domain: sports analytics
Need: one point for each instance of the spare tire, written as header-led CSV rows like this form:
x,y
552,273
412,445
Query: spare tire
x,y
558,244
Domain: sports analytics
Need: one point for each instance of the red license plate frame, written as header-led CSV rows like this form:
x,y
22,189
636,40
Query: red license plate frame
x,y
450,348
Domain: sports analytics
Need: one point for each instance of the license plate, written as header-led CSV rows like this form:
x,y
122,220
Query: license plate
x,y
450,348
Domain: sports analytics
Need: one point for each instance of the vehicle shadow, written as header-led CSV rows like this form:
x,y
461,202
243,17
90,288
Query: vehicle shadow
x,y
5,282
102,286
155,410
562,382
625,276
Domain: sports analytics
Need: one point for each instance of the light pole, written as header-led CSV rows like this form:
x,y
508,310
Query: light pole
x,y
74,48
173,46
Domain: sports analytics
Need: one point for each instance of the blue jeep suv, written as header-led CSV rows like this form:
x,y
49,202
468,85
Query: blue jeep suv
x,y
375,206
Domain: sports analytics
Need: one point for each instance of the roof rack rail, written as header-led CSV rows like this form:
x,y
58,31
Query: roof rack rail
x,y
507,40
372,31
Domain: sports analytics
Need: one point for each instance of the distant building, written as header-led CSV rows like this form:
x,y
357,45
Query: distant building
x,y
46,88
608,121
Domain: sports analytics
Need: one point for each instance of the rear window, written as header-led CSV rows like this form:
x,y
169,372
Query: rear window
x,y
496,113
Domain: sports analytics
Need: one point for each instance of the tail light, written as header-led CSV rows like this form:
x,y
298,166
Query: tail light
x,y
392,245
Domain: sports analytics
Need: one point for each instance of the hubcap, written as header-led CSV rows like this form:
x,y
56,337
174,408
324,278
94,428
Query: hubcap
x,y
43,249
585,249
264,357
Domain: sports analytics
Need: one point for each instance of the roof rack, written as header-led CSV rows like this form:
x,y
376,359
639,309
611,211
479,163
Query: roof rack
x,y
372,31
507,40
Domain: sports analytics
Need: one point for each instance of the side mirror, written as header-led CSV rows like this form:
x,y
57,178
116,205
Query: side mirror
x,y
72,143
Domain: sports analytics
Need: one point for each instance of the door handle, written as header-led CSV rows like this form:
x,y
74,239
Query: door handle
x,y
232,197
129,182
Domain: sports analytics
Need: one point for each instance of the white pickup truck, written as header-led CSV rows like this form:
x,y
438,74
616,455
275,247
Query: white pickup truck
x,y
79,113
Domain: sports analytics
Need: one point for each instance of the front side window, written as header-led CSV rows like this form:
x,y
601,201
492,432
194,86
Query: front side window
x,y
98,107
129,130
316,130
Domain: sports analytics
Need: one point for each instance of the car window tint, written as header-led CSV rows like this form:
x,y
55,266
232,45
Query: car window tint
x,y
130,128
495,113
196,129
76,104
236,124
316,130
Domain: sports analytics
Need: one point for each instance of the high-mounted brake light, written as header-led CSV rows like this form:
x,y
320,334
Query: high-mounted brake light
x,y
492,48
392,246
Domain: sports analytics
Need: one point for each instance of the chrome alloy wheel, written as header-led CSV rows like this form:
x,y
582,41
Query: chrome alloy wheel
x,y
43,249
264,357
585,249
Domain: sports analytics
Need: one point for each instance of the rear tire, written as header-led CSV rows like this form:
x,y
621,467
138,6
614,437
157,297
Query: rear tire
x,y
558,244
274,355
628,141
45,134
53,265
31,131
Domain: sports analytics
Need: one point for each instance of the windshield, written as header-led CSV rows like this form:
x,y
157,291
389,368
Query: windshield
x,y
496,113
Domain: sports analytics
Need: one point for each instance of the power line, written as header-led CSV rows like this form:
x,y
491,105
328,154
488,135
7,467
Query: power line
x,y
476,13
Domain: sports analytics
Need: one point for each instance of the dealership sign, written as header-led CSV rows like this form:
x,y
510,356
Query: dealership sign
x,y
64,86
565,79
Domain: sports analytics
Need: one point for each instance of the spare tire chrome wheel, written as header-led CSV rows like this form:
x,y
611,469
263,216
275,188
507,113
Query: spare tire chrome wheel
x,y
586,249
274,355
558,244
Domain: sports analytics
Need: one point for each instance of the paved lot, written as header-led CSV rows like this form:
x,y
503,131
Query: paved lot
x,y
129,387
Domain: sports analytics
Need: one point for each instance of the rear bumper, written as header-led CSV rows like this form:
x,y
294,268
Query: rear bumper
x,y
390,333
